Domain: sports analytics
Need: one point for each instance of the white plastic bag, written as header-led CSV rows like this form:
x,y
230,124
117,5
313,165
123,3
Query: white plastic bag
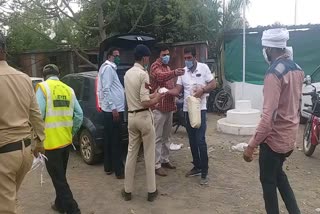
x,y
194,111
40,161
175,147
163,90
240,147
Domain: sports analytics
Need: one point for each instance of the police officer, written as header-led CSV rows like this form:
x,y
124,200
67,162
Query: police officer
x,y
63,117
19,111
140,122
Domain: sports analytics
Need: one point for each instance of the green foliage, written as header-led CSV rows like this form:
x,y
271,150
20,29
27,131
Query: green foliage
x,y
36,22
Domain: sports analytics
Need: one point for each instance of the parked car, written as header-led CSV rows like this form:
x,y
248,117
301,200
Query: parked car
x,y
314,78
90,137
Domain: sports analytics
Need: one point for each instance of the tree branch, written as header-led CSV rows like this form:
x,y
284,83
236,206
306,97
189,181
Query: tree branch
x,y
41,34
75,48
76,21
152,24
85,59
114,15
69,8
140,16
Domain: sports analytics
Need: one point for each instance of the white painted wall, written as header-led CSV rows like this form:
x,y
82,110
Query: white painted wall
x,y
251,92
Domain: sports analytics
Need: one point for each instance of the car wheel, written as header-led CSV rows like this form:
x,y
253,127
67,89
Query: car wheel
x,y
88,148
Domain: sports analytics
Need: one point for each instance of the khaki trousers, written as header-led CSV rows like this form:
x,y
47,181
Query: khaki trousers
x,y
163,127
13,168
141,130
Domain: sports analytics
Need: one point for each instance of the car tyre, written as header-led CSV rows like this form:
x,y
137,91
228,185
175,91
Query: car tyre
x,y
88,148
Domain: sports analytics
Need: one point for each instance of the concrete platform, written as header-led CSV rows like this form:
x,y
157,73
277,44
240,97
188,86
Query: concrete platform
x,y
242,120
235,129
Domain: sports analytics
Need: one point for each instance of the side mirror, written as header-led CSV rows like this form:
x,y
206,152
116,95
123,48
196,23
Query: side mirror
x,y
307,80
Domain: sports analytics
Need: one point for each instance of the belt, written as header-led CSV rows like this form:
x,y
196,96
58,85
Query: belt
x,y
15,146
140,110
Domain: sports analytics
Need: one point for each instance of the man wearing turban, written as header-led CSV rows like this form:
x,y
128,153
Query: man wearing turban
x,y
278,127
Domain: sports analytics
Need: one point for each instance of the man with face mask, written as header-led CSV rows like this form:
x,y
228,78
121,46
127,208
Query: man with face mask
x,y
140,122
197,81
162,76
112,101
278,127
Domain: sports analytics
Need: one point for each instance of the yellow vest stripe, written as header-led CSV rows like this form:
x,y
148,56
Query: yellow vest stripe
x,y
59,124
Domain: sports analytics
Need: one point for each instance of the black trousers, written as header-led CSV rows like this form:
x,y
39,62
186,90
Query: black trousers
x,y
113,148
273,177
57,167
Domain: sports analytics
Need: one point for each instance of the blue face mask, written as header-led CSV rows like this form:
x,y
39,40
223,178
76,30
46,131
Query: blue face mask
x,y
165,59
188,63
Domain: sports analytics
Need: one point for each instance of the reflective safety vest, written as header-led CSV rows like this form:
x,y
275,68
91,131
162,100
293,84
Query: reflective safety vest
x,y
59,114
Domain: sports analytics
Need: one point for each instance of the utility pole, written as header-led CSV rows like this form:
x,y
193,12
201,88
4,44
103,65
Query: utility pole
x,y
244,5
295,11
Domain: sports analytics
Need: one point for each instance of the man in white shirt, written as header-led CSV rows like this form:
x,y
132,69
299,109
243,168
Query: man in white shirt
x,y
112,101
197,81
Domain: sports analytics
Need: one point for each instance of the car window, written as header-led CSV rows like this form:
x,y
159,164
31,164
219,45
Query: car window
x,y
86,90
76,83
65,80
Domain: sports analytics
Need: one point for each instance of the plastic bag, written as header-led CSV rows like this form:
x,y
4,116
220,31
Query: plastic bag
x,y
163,90
194,111
39,162
240,147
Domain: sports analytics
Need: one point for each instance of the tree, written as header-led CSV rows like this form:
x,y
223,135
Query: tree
x,y
95,20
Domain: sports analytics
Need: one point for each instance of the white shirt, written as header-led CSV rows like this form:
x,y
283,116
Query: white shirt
x,y
110,90
200,77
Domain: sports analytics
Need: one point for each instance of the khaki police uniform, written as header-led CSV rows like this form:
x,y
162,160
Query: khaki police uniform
x,y
19,111
140,125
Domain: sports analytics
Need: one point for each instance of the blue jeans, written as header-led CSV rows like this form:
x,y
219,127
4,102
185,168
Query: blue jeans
x,y
198,145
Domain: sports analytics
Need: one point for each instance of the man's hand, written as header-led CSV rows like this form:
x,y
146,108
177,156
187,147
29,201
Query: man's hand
x,y
115,115
179,71
248,154
37,150
198,93
158,96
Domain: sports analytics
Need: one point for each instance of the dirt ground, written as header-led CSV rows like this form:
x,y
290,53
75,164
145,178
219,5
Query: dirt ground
x,y
234,184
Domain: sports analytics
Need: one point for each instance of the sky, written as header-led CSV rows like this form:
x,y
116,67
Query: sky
x,y
267,12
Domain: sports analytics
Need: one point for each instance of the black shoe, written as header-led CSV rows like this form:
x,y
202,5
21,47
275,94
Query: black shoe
x,y
126,196
76,212
120,177
194,172
109,172
55,208
152,196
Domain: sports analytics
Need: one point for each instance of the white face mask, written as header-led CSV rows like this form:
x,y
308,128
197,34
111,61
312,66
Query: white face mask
x,y
264,52
289,52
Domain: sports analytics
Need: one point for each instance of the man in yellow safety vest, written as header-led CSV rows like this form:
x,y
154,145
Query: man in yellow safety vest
x,y
63,117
